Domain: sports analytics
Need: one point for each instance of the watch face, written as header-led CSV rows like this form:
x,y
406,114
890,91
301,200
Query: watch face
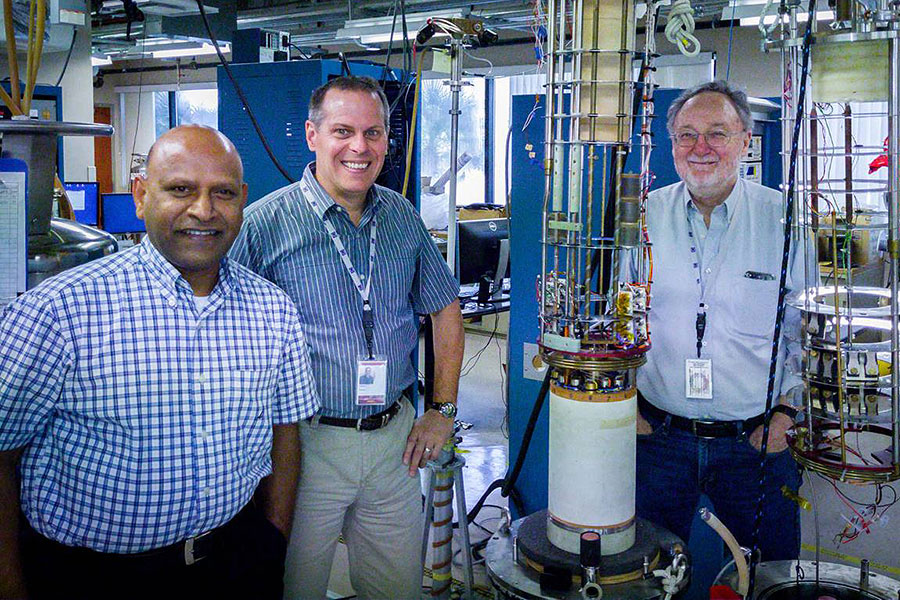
x,y
448,409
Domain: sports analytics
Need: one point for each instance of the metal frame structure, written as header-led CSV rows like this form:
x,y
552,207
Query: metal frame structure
x,y
849,335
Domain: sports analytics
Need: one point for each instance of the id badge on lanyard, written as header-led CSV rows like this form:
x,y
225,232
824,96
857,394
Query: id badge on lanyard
x,y
371,381
371,369
698,381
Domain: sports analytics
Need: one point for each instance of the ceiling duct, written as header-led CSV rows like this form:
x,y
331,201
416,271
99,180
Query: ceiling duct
x,y
165,25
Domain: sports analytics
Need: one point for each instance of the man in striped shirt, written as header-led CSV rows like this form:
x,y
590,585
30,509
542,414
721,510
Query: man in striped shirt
x,y
361,266
146,397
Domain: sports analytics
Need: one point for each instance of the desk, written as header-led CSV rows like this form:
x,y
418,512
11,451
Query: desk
x,y
470,308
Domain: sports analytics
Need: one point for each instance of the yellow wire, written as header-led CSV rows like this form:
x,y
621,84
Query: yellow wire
x,y
37,48
11,53
412,130
30,54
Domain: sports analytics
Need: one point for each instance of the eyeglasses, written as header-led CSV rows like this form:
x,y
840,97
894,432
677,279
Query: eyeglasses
x,y
714,139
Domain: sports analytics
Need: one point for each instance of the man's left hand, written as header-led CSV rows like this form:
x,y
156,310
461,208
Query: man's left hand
x,y
426,439
778,427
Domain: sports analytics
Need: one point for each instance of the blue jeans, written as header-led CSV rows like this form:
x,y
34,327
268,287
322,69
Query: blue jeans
x,y
674,467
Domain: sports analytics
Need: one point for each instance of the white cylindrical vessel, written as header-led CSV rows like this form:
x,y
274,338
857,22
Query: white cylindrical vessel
x,y
592,468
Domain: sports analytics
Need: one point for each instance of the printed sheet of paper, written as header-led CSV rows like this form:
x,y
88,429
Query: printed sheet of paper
x,y
13,236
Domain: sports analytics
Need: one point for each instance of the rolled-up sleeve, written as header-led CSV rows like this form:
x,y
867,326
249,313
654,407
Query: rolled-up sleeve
x,y
34,360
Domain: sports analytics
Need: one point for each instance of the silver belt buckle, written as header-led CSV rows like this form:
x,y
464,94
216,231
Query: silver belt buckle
x,y
701,422
189,558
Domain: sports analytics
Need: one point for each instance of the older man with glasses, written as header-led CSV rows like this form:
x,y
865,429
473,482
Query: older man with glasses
x,y
717,249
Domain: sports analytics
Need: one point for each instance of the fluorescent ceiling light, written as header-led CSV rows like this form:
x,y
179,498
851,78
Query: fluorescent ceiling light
x,y
195,51
821,15
378,30
738,9
381,38
100,61
742,9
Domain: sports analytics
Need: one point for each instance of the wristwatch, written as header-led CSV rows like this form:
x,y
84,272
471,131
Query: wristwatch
x,y
447,409
785,409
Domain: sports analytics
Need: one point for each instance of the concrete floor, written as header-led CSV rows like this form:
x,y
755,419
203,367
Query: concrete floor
x,y
484,448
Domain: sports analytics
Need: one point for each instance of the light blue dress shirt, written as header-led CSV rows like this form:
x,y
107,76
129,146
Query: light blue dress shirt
x,y
739,264
285,240
146,420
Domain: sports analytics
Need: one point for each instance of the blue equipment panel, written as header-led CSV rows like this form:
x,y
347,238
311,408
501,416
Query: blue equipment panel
x,y
118,214
278,94
84,195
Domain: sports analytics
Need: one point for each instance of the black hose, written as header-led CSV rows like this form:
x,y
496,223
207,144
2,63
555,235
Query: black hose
x,y
782,292
508,482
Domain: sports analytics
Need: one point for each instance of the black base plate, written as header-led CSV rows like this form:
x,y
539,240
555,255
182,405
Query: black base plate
x,y
532,543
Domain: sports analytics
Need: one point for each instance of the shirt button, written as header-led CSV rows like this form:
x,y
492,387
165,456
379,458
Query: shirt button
x,y
707,270
172,303
206,492
204,434
201,378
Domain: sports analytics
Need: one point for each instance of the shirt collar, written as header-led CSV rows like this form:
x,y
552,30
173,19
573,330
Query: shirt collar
x,y
170,279
326,202
731,202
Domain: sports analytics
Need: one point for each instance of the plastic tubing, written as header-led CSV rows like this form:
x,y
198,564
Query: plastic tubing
x,y
740,561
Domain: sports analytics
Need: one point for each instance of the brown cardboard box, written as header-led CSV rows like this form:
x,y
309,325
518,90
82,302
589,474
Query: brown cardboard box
x,y
467,214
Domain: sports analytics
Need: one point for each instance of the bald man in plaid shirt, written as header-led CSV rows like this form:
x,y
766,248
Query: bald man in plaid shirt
x,y
150,402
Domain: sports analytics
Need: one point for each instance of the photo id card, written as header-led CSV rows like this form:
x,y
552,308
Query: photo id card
x,y
698,378
371,381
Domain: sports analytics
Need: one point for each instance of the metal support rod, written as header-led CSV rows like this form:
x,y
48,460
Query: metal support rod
x,y
576,164
463,526
592,161
848,166
548,150
455,85
839,353
558,146
814,166
894,251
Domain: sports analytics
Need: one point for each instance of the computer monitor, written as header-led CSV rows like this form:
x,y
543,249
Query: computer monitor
x,y
83,198
484,251
118,214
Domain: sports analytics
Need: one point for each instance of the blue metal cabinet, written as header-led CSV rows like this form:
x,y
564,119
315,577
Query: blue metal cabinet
x,y
278,94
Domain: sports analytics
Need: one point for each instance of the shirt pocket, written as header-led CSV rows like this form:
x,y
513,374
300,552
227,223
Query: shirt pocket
x,y
756,301
396,275
250,395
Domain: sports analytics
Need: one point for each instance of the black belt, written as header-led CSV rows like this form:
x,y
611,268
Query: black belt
x,y
376,421
185,552
198,547
702,428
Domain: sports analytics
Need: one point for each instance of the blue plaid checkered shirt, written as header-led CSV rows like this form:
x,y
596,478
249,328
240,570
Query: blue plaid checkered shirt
x,y
145,420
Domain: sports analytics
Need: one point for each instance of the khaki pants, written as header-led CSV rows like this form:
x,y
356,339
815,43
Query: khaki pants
x,y
355,483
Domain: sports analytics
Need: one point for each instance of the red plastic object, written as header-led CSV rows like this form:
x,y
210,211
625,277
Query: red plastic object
x,y
723,592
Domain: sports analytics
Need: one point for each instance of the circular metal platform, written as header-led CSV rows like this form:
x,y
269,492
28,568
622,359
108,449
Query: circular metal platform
x,y
511,579
780,580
